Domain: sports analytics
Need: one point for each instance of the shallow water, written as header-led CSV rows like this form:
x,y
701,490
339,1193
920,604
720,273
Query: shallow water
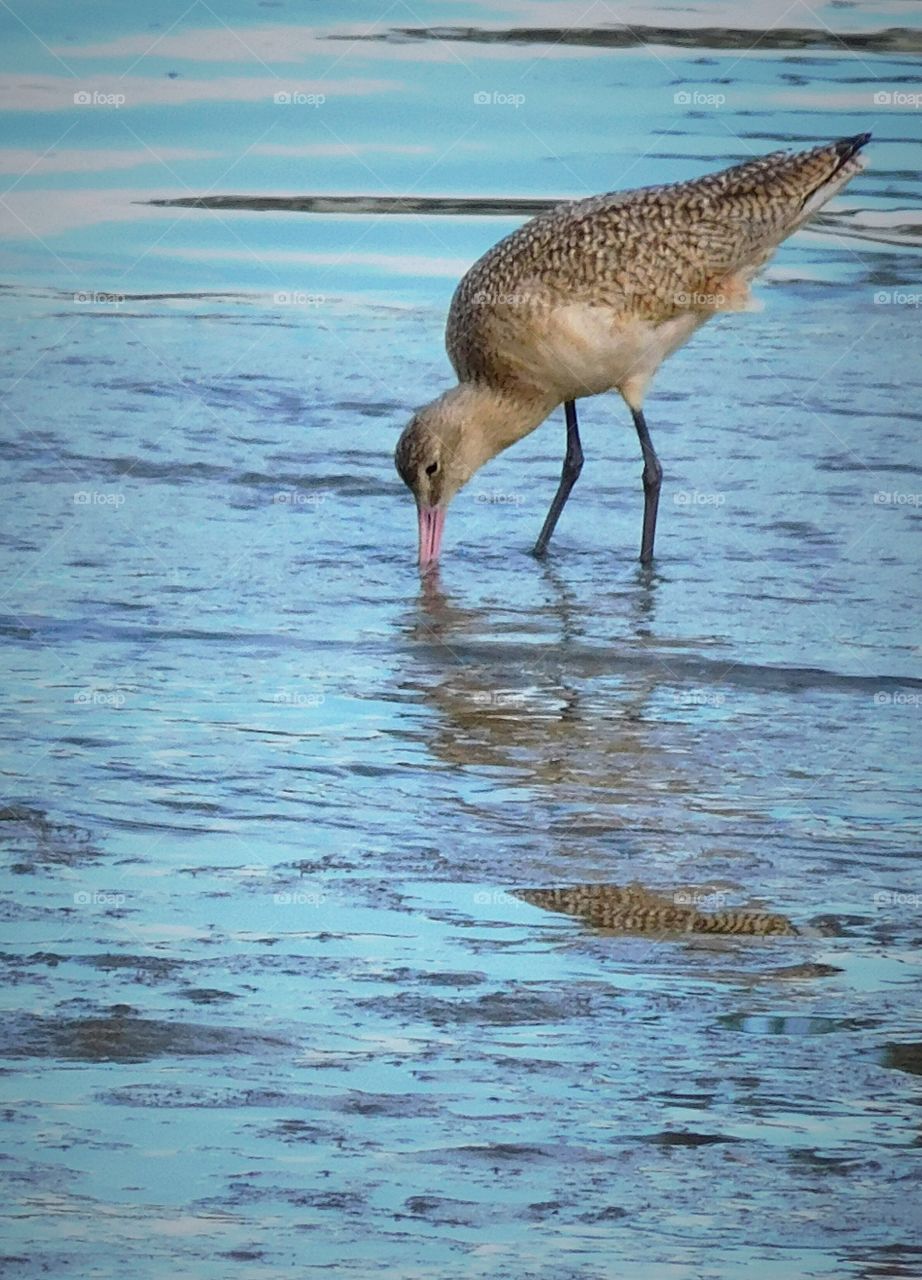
x,y
270,1001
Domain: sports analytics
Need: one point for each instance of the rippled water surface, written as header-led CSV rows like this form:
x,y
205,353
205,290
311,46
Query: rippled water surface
x,y
271,1004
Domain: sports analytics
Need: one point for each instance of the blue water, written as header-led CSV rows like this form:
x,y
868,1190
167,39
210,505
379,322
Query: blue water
x,y
271,1005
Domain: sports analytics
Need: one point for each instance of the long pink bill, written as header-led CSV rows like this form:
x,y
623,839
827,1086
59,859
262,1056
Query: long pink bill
x,y
431,524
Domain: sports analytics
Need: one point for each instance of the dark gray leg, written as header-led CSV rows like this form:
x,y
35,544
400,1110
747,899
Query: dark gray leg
x,y
652,479
572,466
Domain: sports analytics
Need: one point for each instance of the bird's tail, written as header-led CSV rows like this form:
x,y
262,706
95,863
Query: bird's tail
x,y
796,177
775,194
827,169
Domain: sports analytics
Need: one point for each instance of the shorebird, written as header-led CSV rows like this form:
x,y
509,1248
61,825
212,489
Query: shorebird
x,y
592,296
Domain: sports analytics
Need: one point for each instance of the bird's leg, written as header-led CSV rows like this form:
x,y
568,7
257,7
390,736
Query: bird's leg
x,y
652,479
572,466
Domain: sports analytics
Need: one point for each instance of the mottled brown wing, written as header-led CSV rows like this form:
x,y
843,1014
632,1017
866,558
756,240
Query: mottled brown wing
x,y
649,253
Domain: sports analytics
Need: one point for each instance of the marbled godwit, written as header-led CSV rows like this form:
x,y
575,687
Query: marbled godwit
x,y
593,296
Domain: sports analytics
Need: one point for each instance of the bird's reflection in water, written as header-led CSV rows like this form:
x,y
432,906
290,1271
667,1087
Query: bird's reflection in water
x,y
636,606
568,721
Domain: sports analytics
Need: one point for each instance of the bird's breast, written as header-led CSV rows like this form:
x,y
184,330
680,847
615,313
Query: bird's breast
x,y
579,350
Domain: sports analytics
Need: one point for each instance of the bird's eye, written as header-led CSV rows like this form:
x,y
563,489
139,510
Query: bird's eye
x,y
432,468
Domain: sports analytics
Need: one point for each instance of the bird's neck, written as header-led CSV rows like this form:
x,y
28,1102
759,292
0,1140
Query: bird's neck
x,y
495,419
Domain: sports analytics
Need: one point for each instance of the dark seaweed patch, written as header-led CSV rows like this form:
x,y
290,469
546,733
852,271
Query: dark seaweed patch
x,y
121,1037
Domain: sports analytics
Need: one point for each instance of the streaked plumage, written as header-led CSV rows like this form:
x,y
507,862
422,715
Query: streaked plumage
x,y
592,296
635,909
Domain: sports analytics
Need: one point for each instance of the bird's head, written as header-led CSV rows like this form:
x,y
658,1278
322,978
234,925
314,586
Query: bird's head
x,y
448,440
440,449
